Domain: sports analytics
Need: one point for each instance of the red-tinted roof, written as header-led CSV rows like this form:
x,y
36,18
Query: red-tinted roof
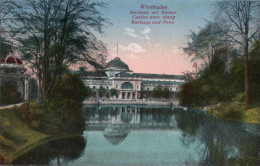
x,y
11,60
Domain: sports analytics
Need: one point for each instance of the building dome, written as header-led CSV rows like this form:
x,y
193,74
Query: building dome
x,y
117,63
11,60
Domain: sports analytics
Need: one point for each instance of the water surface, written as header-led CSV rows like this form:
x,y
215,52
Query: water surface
x,y
155,136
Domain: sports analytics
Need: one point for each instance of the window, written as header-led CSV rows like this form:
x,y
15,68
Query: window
x,y
94,87
127,85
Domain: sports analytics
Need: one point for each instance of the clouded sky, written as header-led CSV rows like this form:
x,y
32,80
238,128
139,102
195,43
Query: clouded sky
x,y
153,48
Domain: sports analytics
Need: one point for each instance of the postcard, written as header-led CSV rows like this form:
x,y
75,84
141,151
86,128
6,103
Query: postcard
x,y
129,82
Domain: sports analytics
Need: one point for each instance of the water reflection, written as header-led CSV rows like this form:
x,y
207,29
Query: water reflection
x,y
118,128
54,153
135,116
138,135
226,142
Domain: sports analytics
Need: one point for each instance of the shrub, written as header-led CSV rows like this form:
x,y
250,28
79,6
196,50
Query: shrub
x,y
9,93
114,92
59,113
232,111
101,92
5,160
31,113
252,115
62,108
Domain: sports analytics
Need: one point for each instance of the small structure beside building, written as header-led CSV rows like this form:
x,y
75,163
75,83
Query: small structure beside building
x,y
130,85
12,70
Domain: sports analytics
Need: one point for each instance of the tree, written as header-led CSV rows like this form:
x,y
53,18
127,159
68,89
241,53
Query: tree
x,y
113,92
242,17
9,93
166,93
5,46
54,34
101,91
255,72
157,92
209,40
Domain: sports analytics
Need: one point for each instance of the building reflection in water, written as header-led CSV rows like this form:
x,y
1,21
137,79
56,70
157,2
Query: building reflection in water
x,y
118,121
136,117
119,124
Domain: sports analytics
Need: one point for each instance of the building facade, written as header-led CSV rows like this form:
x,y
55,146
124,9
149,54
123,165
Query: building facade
x,y
130,85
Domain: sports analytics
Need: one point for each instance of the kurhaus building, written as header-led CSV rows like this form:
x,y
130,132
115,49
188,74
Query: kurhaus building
x,y
131,85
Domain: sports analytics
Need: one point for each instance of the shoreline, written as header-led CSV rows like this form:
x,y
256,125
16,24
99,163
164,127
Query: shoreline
x,y
22,130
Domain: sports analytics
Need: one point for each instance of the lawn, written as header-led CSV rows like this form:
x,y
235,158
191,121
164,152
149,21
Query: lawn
x,y
16,137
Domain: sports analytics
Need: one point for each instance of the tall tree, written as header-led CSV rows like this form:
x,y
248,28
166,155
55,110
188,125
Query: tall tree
x,y
54,34
209,40
242,17
5,46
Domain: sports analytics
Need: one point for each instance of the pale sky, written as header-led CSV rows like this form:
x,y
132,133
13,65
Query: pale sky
x,y
153,48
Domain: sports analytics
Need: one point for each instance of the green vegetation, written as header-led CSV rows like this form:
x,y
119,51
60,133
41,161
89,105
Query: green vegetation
x,y
64,37
252,115
231,111
225,88
58,115
158,92
225,72
114,92
9,93
236,111
101,92
15,135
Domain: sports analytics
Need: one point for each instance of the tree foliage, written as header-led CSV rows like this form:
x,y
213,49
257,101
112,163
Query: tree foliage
x,y
54,34
101,91
242,18
216,84
207,42
5,45
9,93
160,92
114,92
61,112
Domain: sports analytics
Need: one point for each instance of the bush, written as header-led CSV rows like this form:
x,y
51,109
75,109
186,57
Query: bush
x,y
60,113
62,108
9,93
252,116
231,111
3,158
31,112
101,92
114,92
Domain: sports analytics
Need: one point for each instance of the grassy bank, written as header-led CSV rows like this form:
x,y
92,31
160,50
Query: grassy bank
x,y
16,136
236,111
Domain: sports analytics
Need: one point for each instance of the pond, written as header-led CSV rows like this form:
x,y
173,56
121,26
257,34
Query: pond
x,y
139,135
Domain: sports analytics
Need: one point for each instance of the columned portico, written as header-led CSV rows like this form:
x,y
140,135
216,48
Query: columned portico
x,y
128,85
127,95
12,70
